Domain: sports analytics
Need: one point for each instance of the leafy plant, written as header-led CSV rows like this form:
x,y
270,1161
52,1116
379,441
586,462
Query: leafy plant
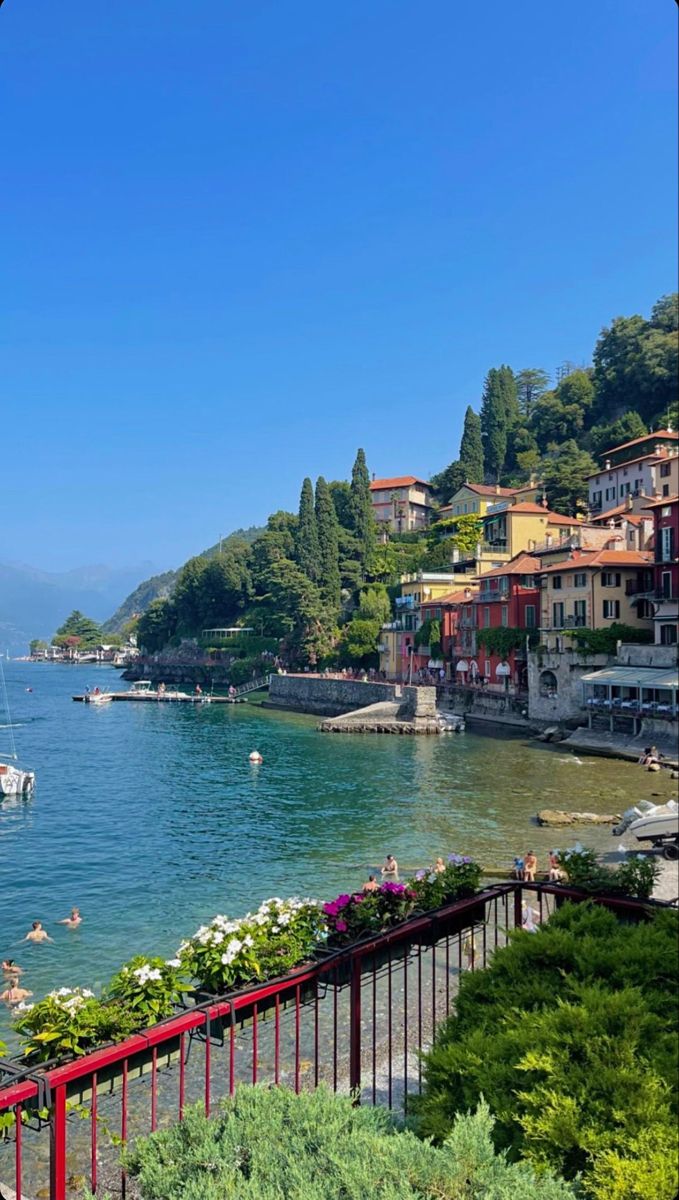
x,y
268,1143
71,1021
461,877
501,641
571,1036
604,641
149,988
350,916
635,877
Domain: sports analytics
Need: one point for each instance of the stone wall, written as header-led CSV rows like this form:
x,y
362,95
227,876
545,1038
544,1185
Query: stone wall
x,y
327,697
567,667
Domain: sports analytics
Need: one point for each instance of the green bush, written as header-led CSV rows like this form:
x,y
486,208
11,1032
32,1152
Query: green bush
x,y
241,671
571,1036
635,877
268,1144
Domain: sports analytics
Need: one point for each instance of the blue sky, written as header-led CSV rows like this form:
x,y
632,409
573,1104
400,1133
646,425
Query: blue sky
x,y
241,239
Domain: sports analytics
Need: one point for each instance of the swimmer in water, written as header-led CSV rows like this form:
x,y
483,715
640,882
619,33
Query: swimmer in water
x,y
37,934
13,994
73,921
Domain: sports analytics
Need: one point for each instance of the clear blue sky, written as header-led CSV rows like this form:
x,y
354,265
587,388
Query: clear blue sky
x,y
241,239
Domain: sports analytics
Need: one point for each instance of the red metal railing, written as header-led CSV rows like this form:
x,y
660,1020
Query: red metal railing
x,y
356,1020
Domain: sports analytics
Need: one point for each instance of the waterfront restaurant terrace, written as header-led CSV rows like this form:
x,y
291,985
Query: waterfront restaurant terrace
x,y
636,692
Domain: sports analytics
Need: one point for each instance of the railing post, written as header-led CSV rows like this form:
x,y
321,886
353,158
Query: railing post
x,y
58,1144
355,1029
518,901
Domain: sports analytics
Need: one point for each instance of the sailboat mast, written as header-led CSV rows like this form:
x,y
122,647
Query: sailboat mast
x,y
9,719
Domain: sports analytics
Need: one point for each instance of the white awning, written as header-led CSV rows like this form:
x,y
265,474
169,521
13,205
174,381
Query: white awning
x,y
463,665
644,677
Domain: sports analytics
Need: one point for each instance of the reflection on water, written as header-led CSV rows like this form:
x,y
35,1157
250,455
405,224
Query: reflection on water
x,y
151,818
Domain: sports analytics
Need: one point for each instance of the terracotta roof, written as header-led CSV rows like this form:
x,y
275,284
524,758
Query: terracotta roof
x,y
662,500
601,558
522,564
397,482
652,456
489,489
525,506
619,511
451,598
659,433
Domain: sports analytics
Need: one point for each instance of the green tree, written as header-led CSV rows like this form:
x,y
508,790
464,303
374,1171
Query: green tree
x,y
225,586
499,414
37,646
157,625
340,491
471,447
187,596
84,628
305,621
565,477
531,384
328,545
449,481
363,516
307,549
636,364
468,533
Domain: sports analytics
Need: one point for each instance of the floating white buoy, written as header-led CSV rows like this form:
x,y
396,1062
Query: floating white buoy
x,y
255,757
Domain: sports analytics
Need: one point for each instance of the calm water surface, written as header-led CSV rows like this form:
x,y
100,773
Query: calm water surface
x,y
151,819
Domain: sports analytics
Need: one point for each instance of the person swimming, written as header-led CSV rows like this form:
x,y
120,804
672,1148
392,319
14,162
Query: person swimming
x,y
37,934
13,994
73,921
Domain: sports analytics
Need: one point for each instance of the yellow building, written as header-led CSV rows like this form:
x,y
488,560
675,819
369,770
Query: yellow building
x,y
397,637
596,589
473,498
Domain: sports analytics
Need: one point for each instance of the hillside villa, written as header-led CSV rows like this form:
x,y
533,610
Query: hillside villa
x,y
402,504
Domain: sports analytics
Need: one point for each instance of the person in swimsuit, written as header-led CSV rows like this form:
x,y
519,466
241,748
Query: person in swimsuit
x,y
390,868
37,934
371,884
13,994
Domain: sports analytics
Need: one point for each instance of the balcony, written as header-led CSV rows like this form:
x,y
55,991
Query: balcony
x,y
490,594
394,626
639,587
573,622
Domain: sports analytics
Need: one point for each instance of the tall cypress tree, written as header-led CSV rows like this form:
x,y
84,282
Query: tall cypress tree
x,y
362,512
307,550
328,541
471,447
499,414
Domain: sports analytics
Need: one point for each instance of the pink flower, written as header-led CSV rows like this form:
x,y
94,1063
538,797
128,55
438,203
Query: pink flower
x,y
341,926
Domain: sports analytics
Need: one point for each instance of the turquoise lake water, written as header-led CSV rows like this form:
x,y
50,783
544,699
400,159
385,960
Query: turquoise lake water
x,y
151,819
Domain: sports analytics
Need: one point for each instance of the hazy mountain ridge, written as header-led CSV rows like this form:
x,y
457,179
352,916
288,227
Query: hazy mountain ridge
x,y
33,602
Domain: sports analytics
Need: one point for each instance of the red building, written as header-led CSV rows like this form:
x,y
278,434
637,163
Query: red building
x,y
508,598
449,611
666,568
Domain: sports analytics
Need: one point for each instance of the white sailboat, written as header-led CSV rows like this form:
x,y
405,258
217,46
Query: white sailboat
x,y
14,781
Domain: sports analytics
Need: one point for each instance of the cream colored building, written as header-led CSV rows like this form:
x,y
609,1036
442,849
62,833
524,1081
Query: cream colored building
x,y
596,589
402,504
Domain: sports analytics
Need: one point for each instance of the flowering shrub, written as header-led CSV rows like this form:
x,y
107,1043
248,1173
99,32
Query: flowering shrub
x,y
149,987
71,1020
230,953
460,878
351,916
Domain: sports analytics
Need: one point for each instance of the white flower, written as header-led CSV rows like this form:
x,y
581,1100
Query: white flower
x,y
275,928
248,940
173,962
234,946
22,1007
155,974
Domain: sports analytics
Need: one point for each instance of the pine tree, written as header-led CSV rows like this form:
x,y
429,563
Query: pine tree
x,y
531,384
499,414
328,542
471,447
307,552
362,512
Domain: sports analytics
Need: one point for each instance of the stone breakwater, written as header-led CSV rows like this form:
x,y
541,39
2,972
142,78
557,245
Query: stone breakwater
x,y
354,706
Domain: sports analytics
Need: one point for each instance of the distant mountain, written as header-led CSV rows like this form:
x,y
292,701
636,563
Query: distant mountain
x,y
33,603
158,587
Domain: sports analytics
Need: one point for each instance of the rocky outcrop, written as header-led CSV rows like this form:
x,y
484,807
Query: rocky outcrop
x,y
556,816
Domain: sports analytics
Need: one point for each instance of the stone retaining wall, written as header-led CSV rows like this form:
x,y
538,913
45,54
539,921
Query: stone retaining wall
x,y
325,697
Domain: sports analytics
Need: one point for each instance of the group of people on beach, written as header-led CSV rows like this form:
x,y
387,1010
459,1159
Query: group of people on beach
x,y
525,867
13,992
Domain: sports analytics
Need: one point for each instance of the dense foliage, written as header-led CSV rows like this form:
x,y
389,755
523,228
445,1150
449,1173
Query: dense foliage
x,y
604,641
571,1036
501,639
269,1144
635,876
80,632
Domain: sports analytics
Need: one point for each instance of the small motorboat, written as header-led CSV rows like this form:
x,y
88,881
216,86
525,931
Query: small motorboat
x,y
654,823
98,697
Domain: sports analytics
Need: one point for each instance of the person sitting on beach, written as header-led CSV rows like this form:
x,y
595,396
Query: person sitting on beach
x,y
554,868
37,933
517,869
390,868
371,884
13,994
439,865
73,921
11,968
530,867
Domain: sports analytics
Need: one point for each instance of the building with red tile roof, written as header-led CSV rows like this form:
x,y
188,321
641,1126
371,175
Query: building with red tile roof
x,y
401,504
